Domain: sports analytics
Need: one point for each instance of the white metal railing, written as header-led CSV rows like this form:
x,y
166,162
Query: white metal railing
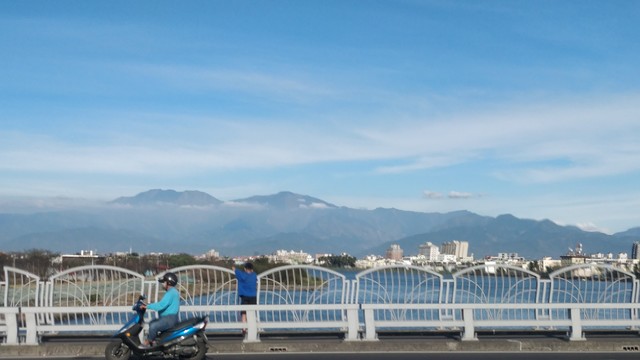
x,y
23,322
97,300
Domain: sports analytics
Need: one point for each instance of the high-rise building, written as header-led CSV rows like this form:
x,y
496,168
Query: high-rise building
x,y
394,252
459,249
429,251
635,250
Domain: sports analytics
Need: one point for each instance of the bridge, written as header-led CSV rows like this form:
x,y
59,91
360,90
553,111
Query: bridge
x,y
96,300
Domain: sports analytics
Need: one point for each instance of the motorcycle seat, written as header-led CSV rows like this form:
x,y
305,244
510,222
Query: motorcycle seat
x,y
184,323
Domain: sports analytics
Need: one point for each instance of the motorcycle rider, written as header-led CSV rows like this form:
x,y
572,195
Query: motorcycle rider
x,y
168,308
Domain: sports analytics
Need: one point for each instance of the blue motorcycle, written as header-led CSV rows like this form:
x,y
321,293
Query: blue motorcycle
x,y
186,340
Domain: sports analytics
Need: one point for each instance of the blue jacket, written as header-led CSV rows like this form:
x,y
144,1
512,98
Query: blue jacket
x,y
169,305
247,283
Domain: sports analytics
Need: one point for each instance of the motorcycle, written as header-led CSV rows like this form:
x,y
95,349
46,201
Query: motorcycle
x,y
186,340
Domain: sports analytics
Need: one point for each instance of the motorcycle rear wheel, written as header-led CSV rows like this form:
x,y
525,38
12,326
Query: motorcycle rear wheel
x,y
202,350
116,350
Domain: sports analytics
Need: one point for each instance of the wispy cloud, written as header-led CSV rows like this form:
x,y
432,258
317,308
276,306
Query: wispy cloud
x,y
547,143
272,84
450,195
460,195
432,194
541,143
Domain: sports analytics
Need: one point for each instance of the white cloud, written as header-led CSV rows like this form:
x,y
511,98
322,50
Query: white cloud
x,y
593,137
459,195
450,195
314,205
591,227
433,195
244,205
548,143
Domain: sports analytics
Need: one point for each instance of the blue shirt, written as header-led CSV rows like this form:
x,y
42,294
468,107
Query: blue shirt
x,y
169,305
247,283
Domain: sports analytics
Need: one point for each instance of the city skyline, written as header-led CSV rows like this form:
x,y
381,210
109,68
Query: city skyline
x,y
456,249
493,107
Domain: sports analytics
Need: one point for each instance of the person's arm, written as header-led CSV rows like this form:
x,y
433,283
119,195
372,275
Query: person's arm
x,y
160,305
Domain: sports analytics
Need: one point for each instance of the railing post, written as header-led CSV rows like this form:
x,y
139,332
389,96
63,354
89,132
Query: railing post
x,y
576,326
252,325
352,324
32,329
370,326
11,320
469,333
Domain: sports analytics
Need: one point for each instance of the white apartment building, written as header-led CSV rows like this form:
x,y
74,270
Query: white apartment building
x,y
429,251
291,257
459,249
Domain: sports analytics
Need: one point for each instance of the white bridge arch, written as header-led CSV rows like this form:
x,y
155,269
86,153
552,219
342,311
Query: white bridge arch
x,y
98,299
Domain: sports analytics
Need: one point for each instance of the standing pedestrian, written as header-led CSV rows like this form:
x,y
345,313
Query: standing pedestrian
x,y
247,287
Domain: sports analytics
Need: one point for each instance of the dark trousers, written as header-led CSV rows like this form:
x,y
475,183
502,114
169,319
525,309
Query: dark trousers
x,y
247,300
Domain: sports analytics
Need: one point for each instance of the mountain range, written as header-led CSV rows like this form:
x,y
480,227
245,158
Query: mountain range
x,y
194,222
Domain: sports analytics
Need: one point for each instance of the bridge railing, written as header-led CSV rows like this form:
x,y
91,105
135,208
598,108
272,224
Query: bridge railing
x,y
98,299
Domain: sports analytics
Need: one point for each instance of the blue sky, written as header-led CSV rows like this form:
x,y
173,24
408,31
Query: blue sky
x,y
523,107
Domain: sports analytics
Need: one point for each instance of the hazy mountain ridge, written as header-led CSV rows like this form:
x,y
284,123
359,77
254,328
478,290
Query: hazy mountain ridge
x,y
193,222
159,197
633,232
286,200
531,238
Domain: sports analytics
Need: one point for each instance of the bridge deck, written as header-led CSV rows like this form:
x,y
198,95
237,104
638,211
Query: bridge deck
x,y
629,342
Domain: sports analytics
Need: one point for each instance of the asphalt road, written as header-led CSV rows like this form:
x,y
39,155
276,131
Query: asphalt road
x,y
409,356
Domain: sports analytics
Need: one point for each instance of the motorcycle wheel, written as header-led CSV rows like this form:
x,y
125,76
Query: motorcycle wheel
x,y
202,350
116,350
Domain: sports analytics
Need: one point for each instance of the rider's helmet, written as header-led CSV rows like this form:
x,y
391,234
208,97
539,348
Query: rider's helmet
x,y
169,277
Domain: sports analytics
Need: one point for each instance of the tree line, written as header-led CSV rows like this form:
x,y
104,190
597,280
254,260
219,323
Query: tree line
x,y
44,263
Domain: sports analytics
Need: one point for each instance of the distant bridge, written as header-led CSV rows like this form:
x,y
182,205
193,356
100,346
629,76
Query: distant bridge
x,y
98,299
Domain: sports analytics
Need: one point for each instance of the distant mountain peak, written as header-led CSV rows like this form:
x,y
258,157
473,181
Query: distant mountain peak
x,y
285,221
288,200
168,197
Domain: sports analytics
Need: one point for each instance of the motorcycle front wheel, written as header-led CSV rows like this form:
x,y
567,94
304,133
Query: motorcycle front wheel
x,y
116,350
